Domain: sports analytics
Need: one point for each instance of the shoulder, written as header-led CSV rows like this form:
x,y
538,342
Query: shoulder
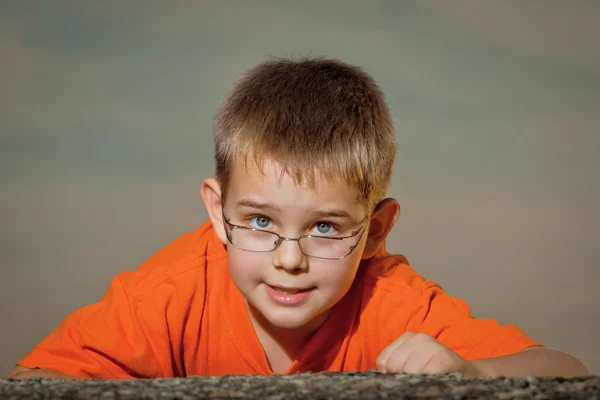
x,y
183,260
391,291
391,273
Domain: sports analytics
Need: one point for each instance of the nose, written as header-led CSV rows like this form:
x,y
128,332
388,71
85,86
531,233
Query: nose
x,y
288,256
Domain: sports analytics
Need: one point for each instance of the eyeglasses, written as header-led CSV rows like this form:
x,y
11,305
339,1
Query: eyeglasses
x,y
323,247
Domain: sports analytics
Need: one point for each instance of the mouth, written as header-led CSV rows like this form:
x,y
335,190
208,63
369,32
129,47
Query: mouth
x,y
289,290
288,296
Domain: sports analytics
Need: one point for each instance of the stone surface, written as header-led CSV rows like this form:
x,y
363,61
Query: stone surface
x,y
369,385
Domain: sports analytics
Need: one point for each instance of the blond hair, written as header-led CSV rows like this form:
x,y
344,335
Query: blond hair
x,y
314,117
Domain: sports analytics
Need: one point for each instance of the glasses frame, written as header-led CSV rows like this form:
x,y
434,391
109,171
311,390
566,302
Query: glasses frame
x,y
281,239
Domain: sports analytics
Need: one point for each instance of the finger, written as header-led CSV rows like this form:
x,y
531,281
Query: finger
x,y
433,367
398,359
417,362
440,365
384,356
414,352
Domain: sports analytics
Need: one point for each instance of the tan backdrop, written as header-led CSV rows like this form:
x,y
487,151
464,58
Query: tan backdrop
x,y
105,118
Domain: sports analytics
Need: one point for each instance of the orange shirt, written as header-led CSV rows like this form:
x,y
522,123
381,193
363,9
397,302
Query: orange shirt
x,y
180,314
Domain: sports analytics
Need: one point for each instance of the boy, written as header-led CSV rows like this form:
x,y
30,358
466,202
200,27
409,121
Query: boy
x,y
291,273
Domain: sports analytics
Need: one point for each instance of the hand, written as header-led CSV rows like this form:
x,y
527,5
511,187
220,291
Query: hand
x,y
20,372
418,353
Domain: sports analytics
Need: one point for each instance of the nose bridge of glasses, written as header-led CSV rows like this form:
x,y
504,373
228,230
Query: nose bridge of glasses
x,y
289,239
289,256
281,239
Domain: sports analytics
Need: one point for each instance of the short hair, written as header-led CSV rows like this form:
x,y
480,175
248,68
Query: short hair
x,y
315,117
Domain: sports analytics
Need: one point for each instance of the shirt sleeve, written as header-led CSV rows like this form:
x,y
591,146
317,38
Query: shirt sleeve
x,y
449,320
104,340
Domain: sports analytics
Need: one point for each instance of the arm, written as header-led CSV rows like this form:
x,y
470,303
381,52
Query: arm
x,y
104,340
20,372
490,348
534,361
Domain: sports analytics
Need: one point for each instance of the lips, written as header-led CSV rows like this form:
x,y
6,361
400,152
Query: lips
x,y
288,296
289,291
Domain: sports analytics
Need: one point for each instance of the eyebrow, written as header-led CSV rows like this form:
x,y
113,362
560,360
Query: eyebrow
x,y
332,213
339,213
256,204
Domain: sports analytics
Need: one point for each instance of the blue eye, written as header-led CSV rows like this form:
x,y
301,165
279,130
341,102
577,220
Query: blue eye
x,y
323,228
261,222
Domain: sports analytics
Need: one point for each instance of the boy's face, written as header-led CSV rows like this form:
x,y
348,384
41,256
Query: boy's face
x,y
269,280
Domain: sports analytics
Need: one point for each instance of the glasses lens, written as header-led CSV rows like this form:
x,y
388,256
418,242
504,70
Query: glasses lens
x,y
248,239
313,246
326,247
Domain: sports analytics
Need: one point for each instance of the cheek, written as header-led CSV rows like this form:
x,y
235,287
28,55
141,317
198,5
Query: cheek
x,y
245,267
336,275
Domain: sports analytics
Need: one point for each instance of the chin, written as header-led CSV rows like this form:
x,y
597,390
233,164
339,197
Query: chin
x,y
296,318
287,321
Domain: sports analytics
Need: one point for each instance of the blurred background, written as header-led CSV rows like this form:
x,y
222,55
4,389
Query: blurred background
x,y
105,136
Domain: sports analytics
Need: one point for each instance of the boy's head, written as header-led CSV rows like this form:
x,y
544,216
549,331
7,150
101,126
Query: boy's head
x,y
304,153
315,118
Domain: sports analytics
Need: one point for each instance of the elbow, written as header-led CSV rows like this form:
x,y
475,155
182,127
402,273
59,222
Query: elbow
x,y
571,366
17,372
579,368
16,375
552,362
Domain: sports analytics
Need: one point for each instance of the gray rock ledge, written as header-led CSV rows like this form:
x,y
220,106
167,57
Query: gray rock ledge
x,y
323,385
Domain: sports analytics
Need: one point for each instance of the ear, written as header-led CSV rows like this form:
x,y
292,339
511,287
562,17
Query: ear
x,y
382,221
210,191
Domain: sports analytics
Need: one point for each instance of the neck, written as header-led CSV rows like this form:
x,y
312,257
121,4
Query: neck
x,y
290,340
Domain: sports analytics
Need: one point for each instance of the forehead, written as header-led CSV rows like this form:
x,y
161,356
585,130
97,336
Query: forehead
x,y
275,186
